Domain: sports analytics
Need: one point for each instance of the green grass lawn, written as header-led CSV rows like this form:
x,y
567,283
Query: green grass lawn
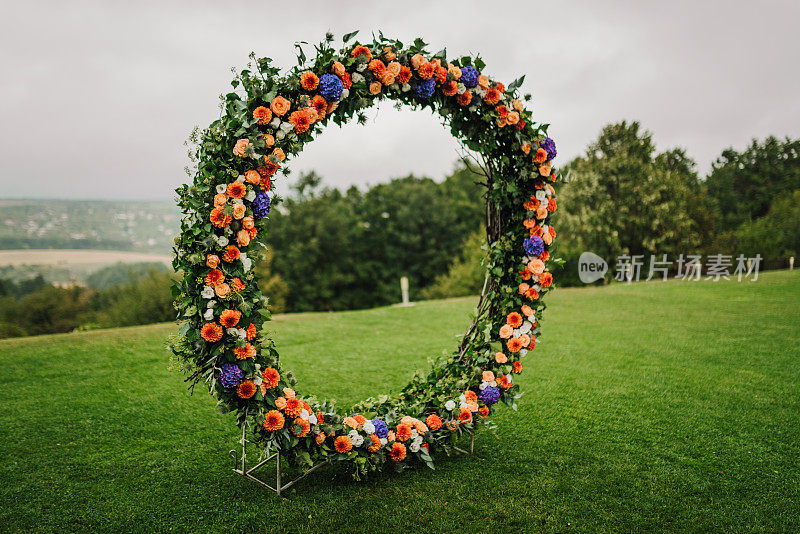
x,y
667,407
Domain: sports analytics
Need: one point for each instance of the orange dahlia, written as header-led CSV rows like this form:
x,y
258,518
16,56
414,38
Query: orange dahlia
x,y
251,332
514,319
433,422
273,420
403,432
404,75
492,96
471,396
211,332
545,279
242,353
504,382
540,156
342,444
231,254
514,344
237,284
465,416
262,114
214,277
246,389
377,66
398,452
271,377
300,428
301,120
230,318
484,411
517,367
237,189
376,443
309,80
450,88
293,407
219,218
361,50
464,98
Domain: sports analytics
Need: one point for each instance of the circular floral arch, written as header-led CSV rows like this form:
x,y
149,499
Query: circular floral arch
x,y
269,117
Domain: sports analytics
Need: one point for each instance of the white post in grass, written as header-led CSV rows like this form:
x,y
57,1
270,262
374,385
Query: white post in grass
x,y
404,292
791,263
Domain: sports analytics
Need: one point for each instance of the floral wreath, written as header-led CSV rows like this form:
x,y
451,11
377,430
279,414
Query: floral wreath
x,y
267,119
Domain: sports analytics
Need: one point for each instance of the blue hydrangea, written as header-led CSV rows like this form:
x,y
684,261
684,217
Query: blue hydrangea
x,y
425,88
261,205
489,395
550,147
381,428
469,77
230,375
330,87
533,246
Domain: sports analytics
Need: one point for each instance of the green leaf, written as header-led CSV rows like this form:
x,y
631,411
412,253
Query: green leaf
x,y
346,37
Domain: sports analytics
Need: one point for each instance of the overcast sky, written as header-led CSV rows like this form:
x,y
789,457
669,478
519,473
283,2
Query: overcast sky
x,y
98,97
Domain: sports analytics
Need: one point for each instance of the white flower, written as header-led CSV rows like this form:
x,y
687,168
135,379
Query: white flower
x,y
209,315
251,195
483,385
257,379
541,195
232,331
369,428
449,405
356,438
287,127
242,333
406,87
211,303
523,353
462,88
280,135
384,441
247,263
304,414
237,201
357,78
228,230
526,327
240,178
222,241
274,123
493,383
462,398
414,447
221,188
345,93
207,293
312,419
361,67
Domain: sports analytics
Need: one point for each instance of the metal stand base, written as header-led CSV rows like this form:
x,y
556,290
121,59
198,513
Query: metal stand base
x,y
471,446
242,469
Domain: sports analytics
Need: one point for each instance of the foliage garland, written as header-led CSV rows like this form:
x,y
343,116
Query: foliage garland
x,y
268,118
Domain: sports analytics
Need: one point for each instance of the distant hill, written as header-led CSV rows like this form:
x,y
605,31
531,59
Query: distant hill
x,y
88,224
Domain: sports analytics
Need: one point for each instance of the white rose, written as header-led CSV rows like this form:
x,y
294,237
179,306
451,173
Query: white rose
x,y
384,441
369,428
209,315
449,405
526,327
207,293
406,88
414,433
251,195
541,195
242,333
247,263
345,93
312,419
304,414
414,447
287,127
276,122
357,78
221,188
280,135
222,241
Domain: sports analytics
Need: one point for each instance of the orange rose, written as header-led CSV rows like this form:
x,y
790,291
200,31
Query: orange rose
x,y
280,403
269,140
454,71
536,266
338,68
280,106
499,357
483,82
212,260
506,331
240,149
547,238
220,199
248,223
417,60
243,237
541,212
528,311
252,177
517,103
487,376
375,88
544,170
526,147
513,118
222,290
389,54
393,68
238,211
279,154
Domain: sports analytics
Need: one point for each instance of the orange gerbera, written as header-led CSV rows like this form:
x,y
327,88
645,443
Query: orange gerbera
x,y
465,416
433,422
531,204
342,444
211,332
300,428
301,120
271,377
237,284
214,277
242,353
231,254
237,189
230,318
274,420
403,432
309,80
514,344
376,443
293,407
361,50
347,81
246,389
262,114
320,417
280,106
464,98
219,218
398,452
517,367
514,319
252,177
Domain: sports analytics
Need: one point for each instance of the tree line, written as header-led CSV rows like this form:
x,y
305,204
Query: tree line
x,y
329,249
